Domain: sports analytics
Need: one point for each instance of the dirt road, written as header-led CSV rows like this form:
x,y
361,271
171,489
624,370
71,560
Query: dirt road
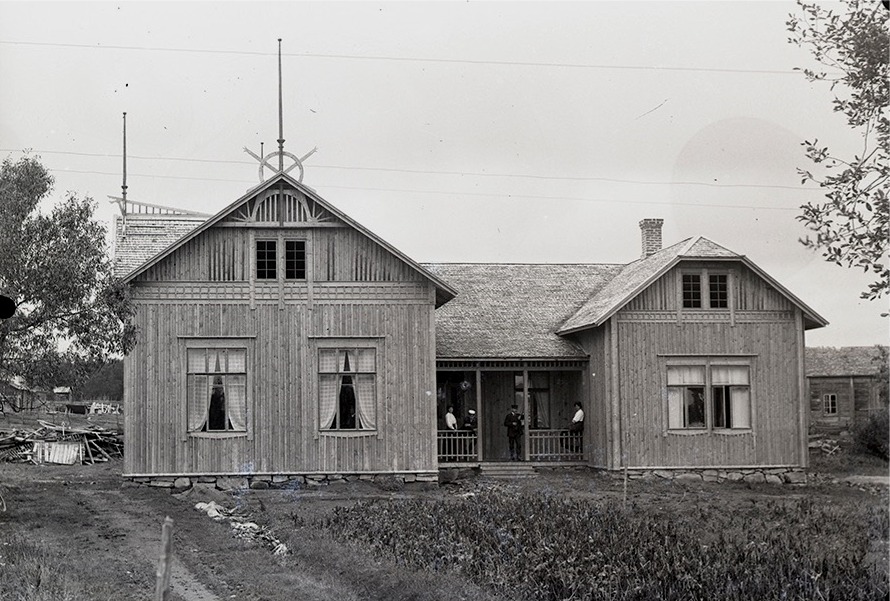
x,y
109,533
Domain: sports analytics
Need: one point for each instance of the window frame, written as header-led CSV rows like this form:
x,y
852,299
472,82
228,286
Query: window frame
x,y
305,243
235,343
707,365
827,402
345,344
703,276
256,266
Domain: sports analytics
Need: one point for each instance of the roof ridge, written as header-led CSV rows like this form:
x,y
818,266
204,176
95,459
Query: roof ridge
x,y
692,242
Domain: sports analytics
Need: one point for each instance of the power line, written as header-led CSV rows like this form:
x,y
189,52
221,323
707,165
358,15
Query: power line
x,y
431,172
407,58
456,194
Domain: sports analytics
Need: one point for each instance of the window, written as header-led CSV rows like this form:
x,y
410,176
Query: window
x,y
691,291
829,404
709,396
719,291
266,260
347,388
702,290
217,389
295,259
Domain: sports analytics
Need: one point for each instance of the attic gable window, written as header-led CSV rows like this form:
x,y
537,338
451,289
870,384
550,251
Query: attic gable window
x,y
295,259
266,260
718,290
703,290
691,291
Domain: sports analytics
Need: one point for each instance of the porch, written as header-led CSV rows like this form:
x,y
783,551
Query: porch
x,y
545,393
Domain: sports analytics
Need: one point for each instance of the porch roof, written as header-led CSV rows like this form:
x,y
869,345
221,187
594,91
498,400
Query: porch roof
x,y
513,310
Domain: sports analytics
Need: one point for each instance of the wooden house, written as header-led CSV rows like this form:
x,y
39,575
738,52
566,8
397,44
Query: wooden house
x,y
845,384
281,337
689,358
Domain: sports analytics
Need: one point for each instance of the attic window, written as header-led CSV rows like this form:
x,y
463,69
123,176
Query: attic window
x,y
691,291
295,259
704,290
719,291
266,260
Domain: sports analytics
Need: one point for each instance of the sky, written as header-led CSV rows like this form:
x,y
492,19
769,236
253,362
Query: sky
x,y
457,131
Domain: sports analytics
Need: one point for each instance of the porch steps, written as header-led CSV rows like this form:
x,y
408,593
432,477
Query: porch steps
x,y
507,471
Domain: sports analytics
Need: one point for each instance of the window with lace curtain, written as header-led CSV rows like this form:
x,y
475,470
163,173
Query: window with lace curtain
x,y
217,389
708,396
347,388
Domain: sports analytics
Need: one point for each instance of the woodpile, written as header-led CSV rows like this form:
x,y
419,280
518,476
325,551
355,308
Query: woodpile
x,y
53,443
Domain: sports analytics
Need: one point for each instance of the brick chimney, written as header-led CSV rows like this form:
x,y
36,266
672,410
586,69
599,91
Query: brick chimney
x,y
650,230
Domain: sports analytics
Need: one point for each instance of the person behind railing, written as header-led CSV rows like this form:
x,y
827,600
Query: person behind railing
x,y
470,421
572,438
450,420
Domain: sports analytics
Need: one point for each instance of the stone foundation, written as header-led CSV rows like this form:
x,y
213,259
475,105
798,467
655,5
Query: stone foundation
x,y
289,482
796,476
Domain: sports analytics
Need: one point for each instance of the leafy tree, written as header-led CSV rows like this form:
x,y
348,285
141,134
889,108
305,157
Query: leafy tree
x,y
55,267
851,226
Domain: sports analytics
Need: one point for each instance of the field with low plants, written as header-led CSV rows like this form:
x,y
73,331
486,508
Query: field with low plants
x,y
544,546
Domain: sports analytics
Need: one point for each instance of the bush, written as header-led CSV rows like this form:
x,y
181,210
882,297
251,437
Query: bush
x,y
873,435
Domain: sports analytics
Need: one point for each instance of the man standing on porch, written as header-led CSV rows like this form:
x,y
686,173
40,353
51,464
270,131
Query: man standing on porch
x,y
513,421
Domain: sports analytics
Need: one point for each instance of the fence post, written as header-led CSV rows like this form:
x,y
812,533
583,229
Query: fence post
x,y
162,584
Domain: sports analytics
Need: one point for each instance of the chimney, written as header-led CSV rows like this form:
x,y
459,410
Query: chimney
x,y
650,230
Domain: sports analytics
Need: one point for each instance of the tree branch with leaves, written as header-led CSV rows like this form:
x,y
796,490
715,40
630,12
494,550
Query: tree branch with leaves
x,y
55,266
851,226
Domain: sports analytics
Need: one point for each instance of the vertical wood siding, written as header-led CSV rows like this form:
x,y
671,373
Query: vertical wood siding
x,y
750,291
773,439
222,254
281,406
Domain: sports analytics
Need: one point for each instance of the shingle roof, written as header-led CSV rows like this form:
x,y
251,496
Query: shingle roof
x,y
140,237
636,276
513,310
843,361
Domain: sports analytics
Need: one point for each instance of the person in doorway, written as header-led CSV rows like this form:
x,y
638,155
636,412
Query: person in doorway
x,y
514,423
450,420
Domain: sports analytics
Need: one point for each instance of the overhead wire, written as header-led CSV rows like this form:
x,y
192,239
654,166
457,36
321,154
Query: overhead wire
x,y
408,58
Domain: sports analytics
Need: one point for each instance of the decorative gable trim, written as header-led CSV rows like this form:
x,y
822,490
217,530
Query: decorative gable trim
x,y
316,208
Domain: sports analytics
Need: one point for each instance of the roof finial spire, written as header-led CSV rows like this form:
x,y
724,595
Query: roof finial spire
x,y
280,115
124,184
264,159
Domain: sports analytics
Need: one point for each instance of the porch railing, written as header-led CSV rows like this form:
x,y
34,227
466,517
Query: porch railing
x,y
457,446
555,445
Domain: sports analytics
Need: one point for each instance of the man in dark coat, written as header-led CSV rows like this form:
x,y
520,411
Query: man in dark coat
x,y
514,423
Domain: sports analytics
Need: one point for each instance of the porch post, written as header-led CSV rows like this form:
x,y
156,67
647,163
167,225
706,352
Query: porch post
x,y
525,439
479,415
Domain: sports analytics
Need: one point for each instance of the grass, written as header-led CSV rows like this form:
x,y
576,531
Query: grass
x,y
32,572
546,547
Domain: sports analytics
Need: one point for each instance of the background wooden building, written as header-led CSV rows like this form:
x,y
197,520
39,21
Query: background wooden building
x,y
846,384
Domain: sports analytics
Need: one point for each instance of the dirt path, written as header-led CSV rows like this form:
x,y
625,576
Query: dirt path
x,y
108,531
